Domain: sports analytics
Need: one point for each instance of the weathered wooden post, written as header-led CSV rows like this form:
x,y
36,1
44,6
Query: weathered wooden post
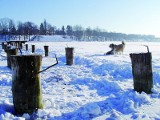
x,y
26,47
16,44
26,83
12,43
33,48
46,50
20,45
142,72
9,53
69,55
3,45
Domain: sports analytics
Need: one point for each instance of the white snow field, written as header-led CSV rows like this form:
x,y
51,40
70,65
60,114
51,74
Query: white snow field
x,y
96,87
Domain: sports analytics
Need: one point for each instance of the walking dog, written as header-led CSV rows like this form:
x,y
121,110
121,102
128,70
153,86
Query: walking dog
x,y
117,48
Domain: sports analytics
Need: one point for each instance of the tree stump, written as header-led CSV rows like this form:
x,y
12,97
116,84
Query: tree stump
x,y
26,47
26,84
3,45
46,50
33,48
9,53
142,72
69,55
20,45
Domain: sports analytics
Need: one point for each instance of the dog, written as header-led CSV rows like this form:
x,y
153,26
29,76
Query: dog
x,y
111,52
117,48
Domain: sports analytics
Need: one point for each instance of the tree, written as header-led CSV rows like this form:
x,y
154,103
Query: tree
x,y
63,31
4,23
20,30
50,30
42,30
45,27
11,29
69,30
88,33
29,29
78,32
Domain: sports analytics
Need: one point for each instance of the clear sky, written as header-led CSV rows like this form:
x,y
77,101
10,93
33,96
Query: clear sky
x,y
126,16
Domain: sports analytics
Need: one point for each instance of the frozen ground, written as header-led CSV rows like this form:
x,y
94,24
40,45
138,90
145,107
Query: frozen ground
x,y
96,87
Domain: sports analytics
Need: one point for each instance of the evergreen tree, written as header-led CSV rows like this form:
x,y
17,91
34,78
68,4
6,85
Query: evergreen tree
x,y
63,31
45,27
42,29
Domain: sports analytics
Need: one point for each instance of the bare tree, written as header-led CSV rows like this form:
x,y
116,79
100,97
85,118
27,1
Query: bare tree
x,y
69,30
20,30
11,29
88,33
78,32
4,23
29,29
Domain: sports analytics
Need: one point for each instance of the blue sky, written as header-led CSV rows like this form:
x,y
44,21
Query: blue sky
x,y
126,16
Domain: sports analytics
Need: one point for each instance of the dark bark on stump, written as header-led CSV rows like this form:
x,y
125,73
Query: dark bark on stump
x,y
46,50
26,47
142,72
20,45
33,48
9,53
3,45
26,84
69,56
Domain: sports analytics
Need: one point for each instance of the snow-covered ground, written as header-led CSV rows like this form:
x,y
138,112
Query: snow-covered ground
x,y
96,87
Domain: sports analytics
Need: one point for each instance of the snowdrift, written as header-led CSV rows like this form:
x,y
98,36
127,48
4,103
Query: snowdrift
x,y
96,87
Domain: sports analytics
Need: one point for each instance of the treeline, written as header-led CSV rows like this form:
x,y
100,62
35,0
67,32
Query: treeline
x,y
11,30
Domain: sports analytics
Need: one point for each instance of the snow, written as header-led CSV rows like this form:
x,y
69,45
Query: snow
x,y
96,87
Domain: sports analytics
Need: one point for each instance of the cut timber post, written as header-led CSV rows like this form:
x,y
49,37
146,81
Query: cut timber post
x,y
33,48
26,47
20,45
9,53
142,72
46,50
26,84
69,55
3,45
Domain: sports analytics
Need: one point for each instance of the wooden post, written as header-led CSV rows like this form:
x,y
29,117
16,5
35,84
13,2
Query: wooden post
x,y
46,50
9,53
20,45
69,55
33,48
26,47
3,45
26,84
142,72
16,44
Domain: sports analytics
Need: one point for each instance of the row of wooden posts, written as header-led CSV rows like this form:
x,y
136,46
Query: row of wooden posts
x,y
26,83
69,52
26,86
14,51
